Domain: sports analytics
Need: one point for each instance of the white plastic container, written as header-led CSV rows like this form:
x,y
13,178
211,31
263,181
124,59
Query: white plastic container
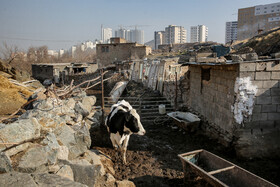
x,y
161,109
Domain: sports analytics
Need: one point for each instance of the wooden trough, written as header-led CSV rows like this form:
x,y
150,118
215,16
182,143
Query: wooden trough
x,y
185,120
218,171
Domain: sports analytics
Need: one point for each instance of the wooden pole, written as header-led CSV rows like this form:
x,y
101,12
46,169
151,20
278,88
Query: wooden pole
x,y
102,97
176,85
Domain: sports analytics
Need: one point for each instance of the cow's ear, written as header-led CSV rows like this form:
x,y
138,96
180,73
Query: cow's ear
x,y
127,116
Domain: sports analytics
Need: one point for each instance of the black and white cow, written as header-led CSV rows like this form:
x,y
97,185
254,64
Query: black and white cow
x,y
121,122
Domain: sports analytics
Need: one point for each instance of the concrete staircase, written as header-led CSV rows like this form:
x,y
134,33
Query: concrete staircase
x,y
147,107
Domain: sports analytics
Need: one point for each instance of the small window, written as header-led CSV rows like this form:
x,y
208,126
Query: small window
x,y
205,74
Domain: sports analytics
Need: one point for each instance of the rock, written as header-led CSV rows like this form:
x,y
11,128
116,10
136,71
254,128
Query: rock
x,y
36,159
5,163
236,58
84,172
76,141
44,105
88,102
80,109
66,171
110,178
19,131
47,82
15,179
53,168
63,153
94,159
70,103
251,57
125,183
17,149
45,179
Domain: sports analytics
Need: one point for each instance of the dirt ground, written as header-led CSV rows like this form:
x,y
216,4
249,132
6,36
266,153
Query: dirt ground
x,y
152,159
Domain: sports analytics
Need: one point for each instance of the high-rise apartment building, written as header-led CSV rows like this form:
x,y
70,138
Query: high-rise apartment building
x,y
106,35
175,34
122,33
135,35
159,38
254,20
199,33
231,31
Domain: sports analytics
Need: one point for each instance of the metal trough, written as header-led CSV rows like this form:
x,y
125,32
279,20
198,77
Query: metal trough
x,y
218,171
185,120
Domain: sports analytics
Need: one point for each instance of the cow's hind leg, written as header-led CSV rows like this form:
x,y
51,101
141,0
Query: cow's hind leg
x,y
124,148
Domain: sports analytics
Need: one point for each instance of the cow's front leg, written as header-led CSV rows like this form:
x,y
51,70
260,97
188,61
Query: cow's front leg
x,y
124,148
113,140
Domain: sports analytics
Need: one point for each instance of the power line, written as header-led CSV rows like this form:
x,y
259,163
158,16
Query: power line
x,y
39,40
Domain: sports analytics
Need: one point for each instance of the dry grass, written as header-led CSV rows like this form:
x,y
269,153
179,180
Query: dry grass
x,y
12,97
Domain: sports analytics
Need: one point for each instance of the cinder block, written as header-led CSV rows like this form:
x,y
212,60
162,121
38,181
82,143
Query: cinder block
x,y
270,84
278,108
259,84
261,66
263,100
275,91
259,117
247,66
272,66
269,108
269,124
275,75
276,99
263,92
250,74
263,75
257,109
273,116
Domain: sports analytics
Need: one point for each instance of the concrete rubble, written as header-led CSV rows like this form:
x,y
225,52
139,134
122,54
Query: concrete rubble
x,y
50,145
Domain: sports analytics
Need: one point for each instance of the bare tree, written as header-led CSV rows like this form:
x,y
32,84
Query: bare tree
x,y
9,53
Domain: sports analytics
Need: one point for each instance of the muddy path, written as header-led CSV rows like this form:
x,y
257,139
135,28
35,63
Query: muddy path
x,y
152,159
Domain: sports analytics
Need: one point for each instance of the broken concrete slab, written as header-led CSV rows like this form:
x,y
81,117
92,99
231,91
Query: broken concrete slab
x,y
19,131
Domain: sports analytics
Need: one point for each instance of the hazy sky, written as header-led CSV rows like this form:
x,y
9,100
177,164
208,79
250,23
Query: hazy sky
x,y
62,23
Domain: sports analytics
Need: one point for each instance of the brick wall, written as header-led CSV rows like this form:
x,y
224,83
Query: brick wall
x,y
260,135
213,98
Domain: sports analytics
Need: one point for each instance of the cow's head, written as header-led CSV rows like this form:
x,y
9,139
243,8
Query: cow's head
x,y
133,122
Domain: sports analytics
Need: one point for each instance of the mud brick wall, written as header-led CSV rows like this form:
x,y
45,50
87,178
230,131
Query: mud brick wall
x,y
213,98
260,134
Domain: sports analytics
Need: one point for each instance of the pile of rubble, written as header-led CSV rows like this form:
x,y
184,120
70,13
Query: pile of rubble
x,y
50,145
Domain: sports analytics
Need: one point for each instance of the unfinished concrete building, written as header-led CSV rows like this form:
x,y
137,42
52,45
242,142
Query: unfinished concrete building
x,y
120,50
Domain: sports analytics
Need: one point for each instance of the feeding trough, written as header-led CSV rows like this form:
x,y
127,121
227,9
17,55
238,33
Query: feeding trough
x,y
218,171
185,120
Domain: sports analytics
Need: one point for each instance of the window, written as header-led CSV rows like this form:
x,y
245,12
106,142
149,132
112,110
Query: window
x,y
105,49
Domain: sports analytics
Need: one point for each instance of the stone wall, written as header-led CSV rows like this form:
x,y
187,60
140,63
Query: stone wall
x,y
213,97
260,135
